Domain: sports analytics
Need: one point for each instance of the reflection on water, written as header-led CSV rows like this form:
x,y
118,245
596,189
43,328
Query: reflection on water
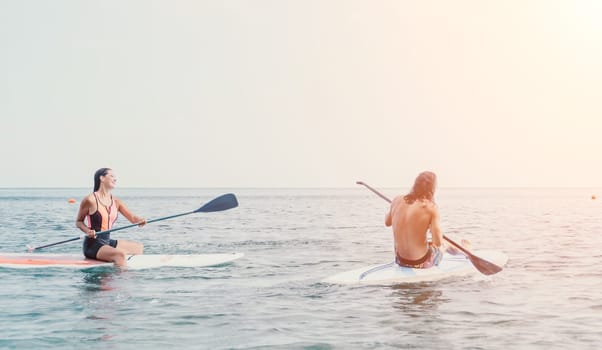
x,y
99,296
547,297
98,279
413,297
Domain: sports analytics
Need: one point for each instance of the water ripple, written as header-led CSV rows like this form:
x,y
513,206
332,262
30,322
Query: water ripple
x,y
273,298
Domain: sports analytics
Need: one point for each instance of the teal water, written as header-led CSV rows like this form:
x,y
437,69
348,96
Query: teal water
x,y
547,297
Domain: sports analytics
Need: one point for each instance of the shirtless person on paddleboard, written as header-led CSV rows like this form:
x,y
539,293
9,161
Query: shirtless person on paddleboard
x,y
412,216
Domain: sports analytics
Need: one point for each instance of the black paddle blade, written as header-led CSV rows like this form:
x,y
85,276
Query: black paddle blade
x,y
223,202
484,266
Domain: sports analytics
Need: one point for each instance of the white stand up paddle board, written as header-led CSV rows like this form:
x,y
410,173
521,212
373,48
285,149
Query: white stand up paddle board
x,y
450,265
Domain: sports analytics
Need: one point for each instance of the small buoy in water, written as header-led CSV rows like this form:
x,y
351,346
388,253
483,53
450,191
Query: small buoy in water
x,y
71,200
593,196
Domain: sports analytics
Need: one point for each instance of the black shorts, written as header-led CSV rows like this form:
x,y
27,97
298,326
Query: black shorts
x,y
91,247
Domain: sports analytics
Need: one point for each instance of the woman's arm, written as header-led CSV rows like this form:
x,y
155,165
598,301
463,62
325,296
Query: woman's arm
x,y
84,210
123,209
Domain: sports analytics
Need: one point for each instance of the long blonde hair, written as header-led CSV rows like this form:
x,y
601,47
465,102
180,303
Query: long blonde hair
x,y
424,187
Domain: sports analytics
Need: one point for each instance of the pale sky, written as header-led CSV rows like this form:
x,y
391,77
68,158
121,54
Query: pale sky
x,y
302,93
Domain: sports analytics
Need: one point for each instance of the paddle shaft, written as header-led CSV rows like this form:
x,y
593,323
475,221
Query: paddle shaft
x,y
148,222
223,202
107,231
31,249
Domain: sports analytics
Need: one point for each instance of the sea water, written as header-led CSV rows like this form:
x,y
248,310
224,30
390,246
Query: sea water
x,y
547,297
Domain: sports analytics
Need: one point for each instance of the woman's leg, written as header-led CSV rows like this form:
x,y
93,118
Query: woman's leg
x,y
129,247
108,253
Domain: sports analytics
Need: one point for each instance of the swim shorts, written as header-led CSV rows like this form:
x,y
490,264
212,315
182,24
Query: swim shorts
x,y
431,258
91,247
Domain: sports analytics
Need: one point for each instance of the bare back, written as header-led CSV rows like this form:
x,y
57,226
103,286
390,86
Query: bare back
x,y
411,223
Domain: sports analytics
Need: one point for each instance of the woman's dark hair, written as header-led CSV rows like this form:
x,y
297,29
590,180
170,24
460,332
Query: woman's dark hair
x,y
100,172
424,187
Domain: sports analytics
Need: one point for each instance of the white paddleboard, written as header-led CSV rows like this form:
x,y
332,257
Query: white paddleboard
x,y
77,261
450,265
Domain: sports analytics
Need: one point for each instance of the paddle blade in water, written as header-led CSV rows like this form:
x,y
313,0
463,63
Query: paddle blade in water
x,y
223,202
484,266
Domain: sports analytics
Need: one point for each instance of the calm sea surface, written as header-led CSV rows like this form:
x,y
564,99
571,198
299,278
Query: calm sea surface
x,y
549,296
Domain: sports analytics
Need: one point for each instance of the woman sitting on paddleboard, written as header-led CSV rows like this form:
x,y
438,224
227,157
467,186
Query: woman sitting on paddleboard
x,y
101,208
412,216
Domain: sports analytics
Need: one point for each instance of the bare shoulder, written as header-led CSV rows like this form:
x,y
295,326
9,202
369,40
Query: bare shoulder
x,y
117,201
427,205
89,199
87,203
397,199
397,202
431,207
